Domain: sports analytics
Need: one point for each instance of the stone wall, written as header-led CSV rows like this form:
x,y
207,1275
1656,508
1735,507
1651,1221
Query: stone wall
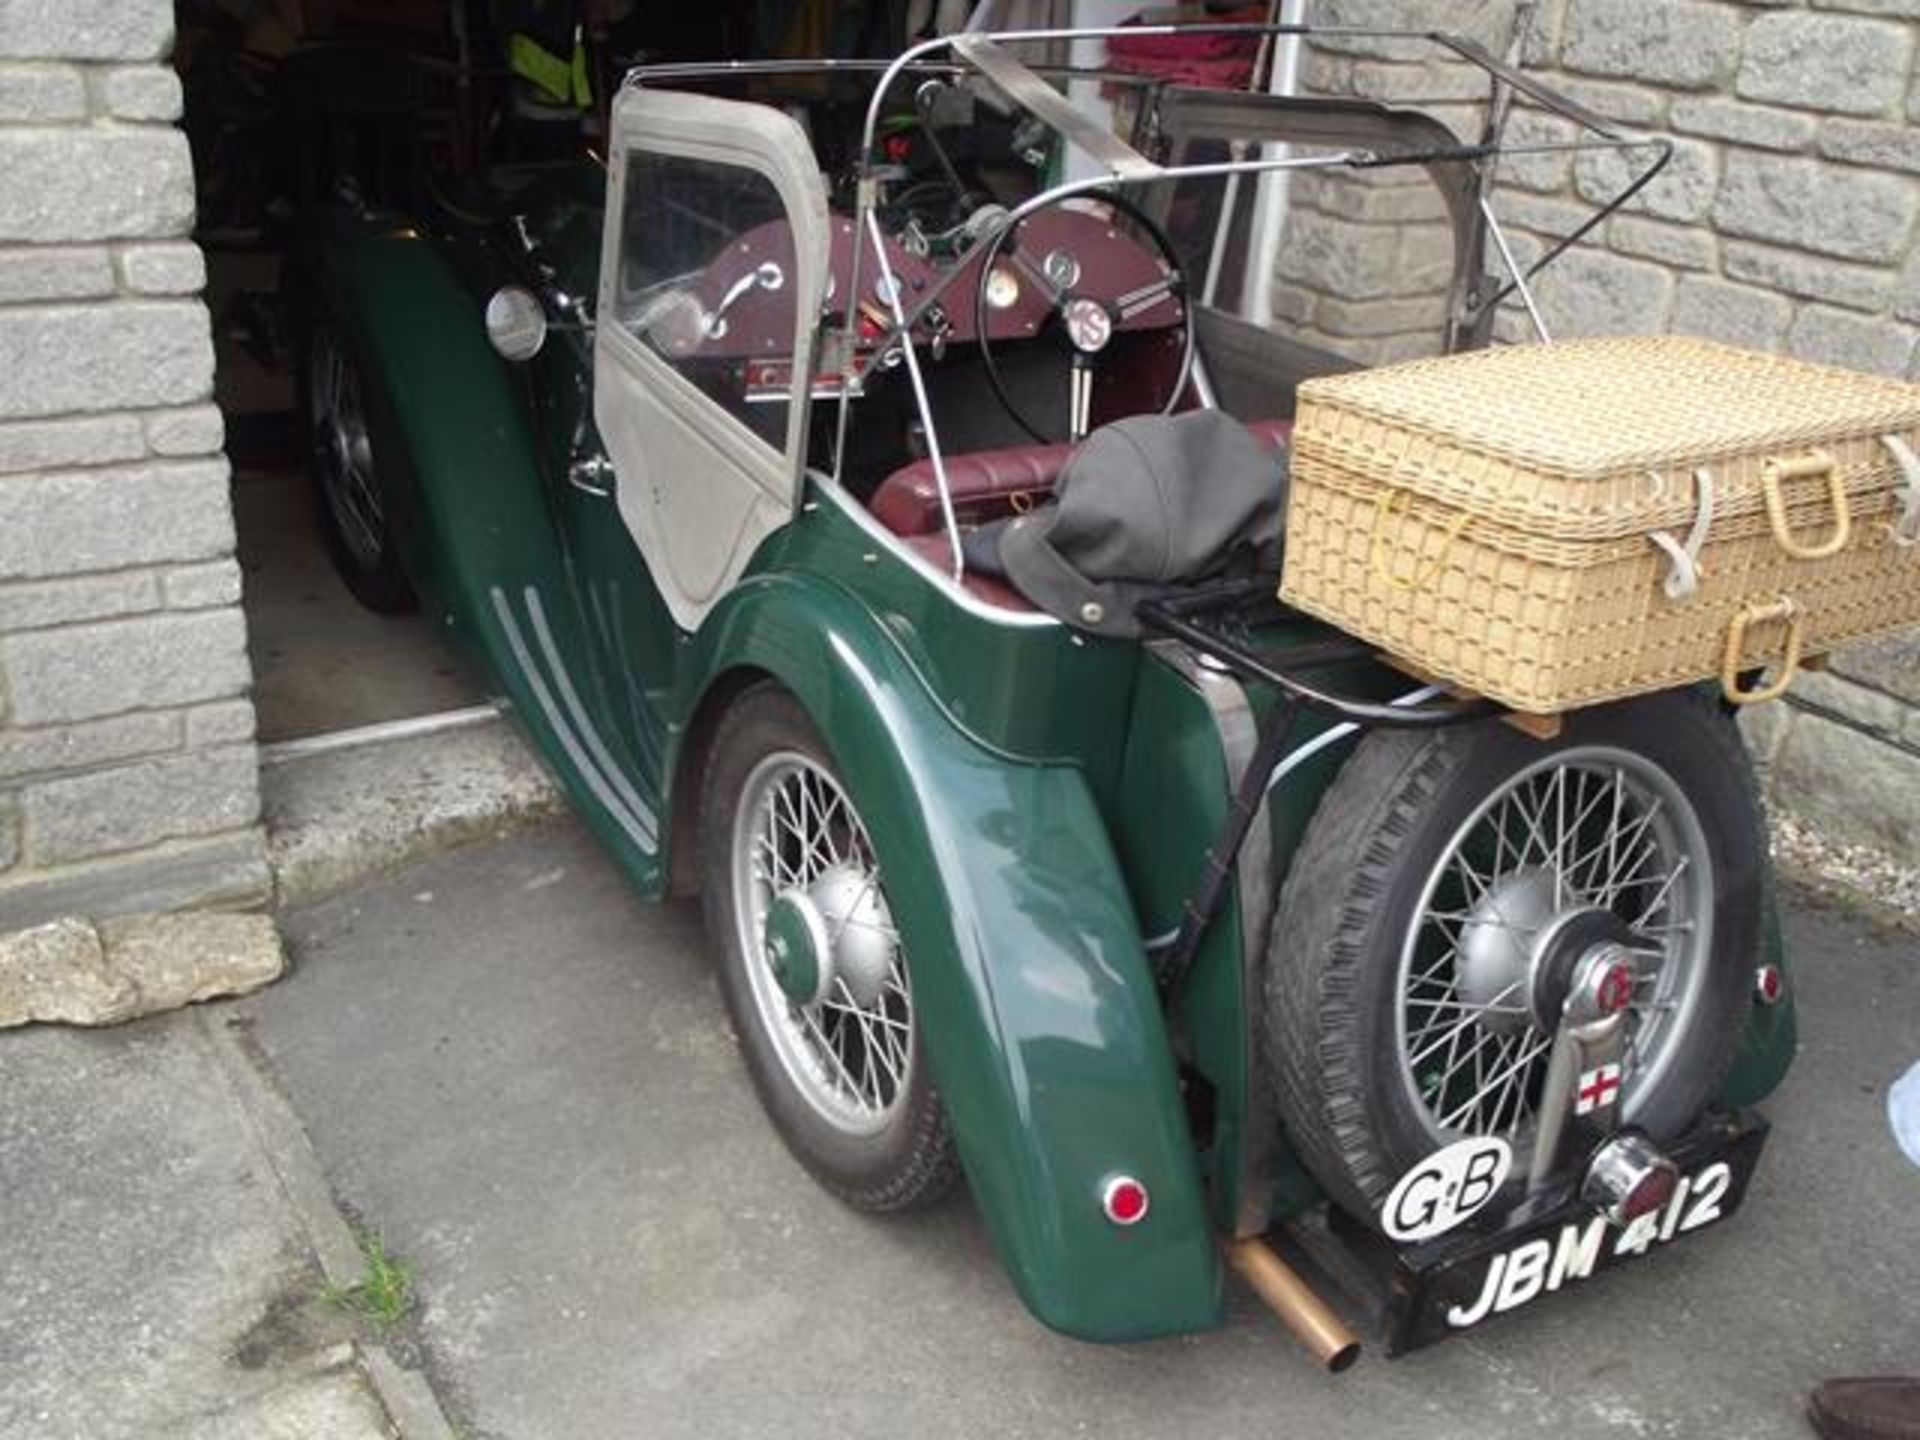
x,y
1788,220
128,771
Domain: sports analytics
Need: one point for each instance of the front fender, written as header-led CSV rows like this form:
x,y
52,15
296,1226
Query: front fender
x,y
1036,1005
460,458
456,449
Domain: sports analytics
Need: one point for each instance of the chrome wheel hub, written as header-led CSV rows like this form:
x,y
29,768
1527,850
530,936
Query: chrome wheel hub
x,y
1524,951
831,937
1499,949
1587,872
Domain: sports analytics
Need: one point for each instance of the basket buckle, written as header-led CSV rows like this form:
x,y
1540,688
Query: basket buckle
x,y
1734,660
1812,466
1386,506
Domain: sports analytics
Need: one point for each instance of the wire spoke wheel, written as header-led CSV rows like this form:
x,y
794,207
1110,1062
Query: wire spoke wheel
x,y
843,1028
1447,892
353,502
1593,830
813,970
343,453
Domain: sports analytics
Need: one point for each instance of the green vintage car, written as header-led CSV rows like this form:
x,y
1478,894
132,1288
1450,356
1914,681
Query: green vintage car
x,y
1216,944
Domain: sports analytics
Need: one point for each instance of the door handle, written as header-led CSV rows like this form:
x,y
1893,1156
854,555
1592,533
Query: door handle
x,y
592,474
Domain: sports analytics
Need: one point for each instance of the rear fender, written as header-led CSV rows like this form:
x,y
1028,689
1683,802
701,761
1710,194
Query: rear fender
x,y
1771,1035
1037,1007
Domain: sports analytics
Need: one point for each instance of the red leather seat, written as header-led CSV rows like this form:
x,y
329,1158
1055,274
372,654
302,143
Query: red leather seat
x,y
990,484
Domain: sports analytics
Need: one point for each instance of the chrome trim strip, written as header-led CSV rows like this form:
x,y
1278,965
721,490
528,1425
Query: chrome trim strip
x,y
583,764
537,612
952,589
890,286
1333,734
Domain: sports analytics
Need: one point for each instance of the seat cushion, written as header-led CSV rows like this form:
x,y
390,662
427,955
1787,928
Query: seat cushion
x,y
990,484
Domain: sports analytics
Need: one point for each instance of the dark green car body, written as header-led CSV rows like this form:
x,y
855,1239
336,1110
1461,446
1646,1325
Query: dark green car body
x,y
1043,798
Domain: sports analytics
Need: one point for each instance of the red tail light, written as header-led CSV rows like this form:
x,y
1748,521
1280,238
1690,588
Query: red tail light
x,y
1125,1200
1655,1190
1628,1178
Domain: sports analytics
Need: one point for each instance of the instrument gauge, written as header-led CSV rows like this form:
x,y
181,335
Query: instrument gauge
x,y
1062,268
1003,288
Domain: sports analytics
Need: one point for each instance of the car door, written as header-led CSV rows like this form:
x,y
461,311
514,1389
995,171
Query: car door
x,y
712,275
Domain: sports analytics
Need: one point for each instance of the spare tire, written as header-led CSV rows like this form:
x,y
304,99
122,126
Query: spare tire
x,y
1410,983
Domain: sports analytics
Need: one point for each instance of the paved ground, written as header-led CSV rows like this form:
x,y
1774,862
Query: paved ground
x,y
156,1281
321,660
523,1078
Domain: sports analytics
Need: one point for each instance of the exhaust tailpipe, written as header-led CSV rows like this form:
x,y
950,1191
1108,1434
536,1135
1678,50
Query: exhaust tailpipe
x,y
1311,1320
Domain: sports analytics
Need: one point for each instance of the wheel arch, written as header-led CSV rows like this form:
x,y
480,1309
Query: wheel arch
x,y
690,768
1039,1013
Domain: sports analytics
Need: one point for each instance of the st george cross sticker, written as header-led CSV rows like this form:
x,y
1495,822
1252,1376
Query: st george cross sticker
x,y
1598,1089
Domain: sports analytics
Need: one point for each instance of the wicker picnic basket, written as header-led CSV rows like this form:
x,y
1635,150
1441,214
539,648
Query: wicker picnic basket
x,y
1558,525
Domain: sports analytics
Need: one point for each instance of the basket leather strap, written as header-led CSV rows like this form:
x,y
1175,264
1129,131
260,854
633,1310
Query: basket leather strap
x,y
1905,529
1683,573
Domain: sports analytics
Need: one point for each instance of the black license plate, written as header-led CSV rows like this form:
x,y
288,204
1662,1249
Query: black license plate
x,y
1453,1285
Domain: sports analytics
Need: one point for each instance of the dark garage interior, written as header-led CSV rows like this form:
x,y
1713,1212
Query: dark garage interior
x,y
413,102
420,107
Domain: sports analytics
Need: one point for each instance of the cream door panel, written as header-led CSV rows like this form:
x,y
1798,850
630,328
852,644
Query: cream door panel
x,y
707,466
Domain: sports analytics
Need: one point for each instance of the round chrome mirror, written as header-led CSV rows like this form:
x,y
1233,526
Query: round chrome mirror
x,y
516,323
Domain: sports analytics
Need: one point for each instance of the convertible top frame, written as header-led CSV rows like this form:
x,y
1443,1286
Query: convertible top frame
x,y
1366,136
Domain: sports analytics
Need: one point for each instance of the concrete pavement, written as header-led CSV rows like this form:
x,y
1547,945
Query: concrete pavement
x,y
523,1078
163,1239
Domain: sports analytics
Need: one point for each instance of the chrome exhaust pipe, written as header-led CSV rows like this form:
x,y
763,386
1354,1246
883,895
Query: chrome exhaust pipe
x,y
1300,1309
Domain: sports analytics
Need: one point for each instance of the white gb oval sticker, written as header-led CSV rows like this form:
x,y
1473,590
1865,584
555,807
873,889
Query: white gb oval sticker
x,y
1446,1189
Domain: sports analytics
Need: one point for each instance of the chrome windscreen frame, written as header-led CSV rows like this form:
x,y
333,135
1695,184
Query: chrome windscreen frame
x,y
987,58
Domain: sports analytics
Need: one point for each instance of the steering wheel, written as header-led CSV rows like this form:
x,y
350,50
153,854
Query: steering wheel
x,y
1088,323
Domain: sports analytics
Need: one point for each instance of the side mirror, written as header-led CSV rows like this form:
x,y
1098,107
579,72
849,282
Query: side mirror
x,y
516,323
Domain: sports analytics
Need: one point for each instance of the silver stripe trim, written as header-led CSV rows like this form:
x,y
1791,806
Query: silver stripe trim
x,y
537,612
595,782
1337,733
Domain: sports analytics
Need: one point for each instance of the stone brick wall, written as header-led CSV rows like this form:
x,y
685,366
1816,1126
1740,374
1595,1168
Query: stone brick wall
x,y
1788,220
128,771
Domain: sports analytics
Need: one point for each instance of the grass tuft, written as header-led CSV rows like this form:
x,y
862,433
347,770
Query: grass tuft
x,y
385,1295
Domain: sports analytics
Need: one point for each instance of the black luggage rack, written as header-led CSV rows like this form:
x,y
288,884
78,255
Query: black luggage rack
x,y
1215,623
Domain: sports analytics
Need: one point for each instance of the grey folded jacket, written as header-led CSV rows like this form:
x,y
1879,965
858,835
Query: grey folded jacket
x,y
1144,507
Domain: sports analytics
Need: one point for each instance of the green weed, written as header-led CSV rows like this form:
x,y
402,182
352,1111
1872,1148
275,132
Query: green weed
x,y
385,1294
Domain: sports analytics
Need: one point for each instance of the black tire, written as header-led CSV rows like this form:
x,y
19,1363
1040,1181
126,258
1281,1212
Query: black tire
x,y
909,1160
351,496
1359,1117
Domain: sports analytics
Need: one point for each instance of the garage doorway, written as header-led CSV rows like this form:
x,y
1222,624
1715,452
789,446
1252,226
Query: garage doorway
x,y
405,101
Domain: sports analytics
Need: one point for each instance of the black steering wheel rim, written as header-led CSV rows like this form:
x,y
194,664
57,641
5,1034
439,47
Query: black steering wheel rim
x,y
981,309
